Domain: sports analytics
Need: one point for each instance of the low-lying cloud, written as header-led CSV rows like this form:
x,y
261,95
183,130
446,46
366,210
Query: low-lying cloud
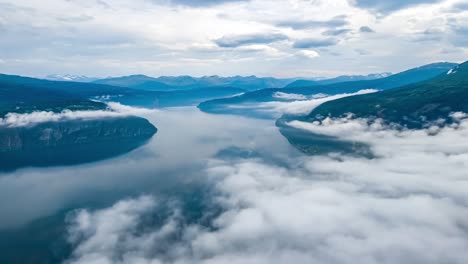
x,y
289,96
296,104
305,106
115,110
408,205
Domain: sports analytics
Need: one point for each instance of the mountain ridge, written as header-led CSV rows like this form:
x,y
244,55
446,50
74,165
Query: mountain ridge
x,y
413,106
167,83
413,75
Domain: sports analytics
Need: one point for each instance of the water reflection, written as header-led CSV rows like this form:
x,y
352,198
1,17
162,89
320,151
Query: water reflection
x,y
172,163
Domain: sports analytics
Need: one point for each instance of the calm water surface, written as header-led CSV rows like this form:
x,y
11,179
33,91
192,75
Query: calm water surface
x,y
34,202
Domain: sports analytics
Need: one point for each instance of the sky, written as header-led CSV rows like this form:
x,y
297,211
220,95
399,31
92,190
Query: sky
x,y
282,38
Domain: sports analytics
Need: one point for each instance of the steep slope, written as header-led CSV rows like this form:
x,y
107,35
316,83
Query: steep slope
x,y
404,78
71,142
413,106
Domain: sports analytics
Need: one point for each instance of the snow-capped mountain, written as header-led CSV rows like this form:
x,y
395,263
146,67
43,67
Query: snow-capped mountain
x,y
70,78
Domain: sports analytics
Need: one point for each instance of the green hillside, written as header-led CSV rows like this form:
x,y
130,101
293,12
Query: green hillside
x,y
410,76
413,106
21,95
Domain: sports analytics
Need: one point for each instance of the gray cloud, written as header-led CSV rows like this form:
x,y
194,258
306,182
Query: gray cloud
x,y
459,37
336,32
384,6
242,40
366,29
8,7
80,18
459,7
338,21
429,35
199,3
314,43
362,52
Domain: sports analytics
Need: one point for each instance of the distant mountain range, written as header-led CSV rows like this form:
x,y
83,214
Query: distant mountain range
x,y
171,83
168,83
23,94
413,106
393,81
416,98
344,78
70,78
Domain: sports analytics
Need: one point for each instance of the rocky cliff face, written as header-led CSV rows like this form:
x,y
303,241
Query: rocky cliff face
x,y
71,142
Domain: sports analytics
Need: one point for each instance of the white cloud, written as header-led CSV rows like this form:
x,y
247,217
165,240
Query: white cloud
x,y
289,96
129,110
115,110
302,106
311,54
108,225
122,38
407,205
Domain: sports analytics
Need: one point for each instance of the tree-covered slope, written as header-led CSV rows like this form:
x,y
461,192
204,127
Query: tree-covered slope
x,y
75,88
69,141
397,80
21,95
413,105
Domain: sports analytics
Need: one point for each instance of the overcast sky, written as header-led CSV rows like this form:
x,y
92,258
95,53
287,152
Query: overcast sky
x,y
283,38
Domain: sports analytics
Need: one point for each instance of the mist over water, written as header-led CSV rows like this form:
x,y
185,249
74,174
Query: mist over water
x,y
173,158
231,189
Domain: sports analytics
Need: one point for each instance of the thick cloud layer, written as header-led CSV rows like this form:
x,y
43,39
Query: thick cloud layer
x,y
407,205
181,37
